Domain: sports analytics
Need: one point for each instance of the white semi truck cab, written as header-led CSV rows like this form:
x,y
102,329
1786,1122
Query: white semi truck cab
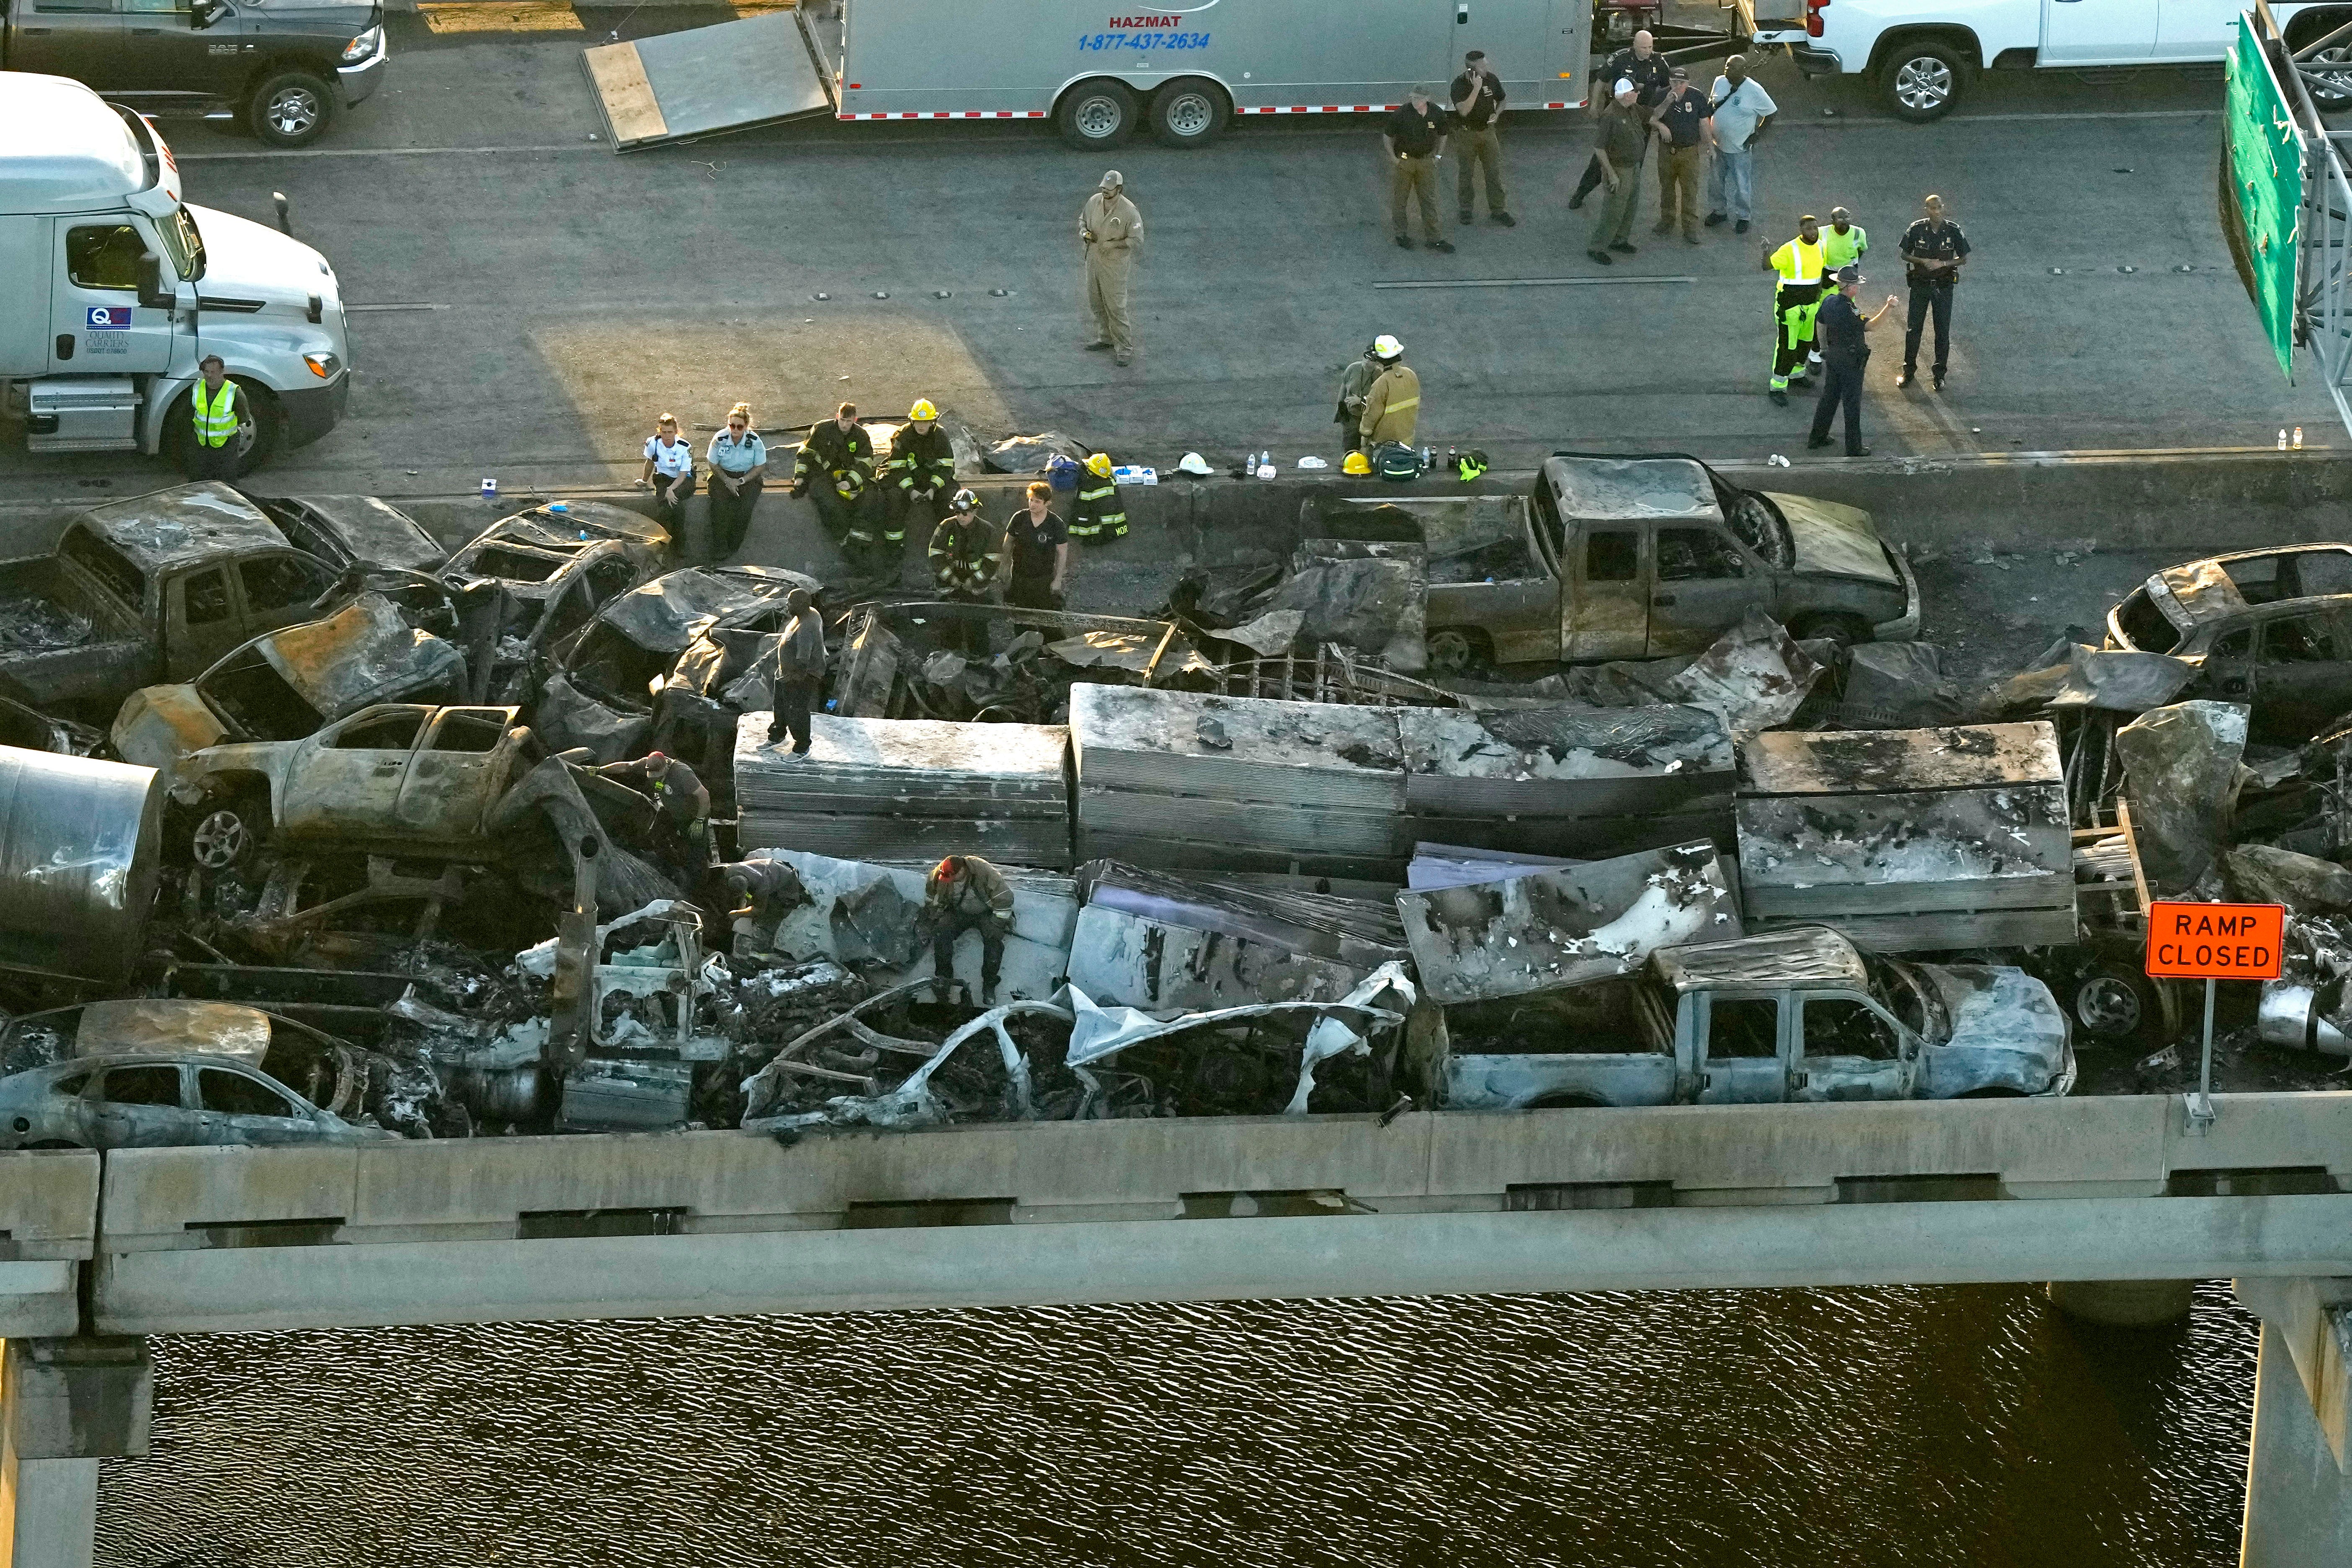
x,y
116,289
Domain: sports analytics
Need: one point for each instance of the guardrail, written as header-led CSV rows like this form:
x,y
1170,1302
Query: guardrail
x,y
216,1239
49,1226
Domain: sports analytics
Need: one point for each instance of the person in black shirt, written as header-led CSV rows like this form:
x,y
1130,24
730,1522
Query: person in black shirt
x,y
1037,549
1687,118
1641,64
1414,135
1933,250
1841,329
1478,96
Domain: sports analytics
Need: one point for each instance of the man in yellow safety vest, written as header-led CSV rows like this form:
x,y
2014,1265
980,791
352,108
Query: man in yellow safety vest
x,y
223,421
1796,296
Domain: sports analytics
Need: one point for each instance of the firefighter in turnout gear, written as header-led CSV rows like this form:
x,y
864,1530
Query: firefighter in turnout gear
x,y
836,467
1796,298
965,558
919,471
1098,517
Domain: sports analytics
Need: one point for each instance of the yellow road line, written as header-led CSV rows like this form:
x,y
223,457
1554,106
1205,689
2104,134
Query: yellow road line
x,y
500,16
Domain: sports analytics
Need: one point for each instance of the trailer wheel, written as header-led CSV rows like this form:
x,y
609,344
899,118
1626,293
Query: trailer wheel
x,y
1190,112
1096,114
2114,1001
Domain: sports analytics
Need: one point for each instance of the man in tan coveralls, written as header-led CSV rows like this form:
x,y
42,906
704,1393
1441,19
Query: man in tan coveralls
x,y
1111,230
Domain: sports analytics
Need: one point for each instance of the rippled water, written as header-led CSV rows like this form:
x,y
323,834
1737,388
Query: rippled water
x,y
1897,1428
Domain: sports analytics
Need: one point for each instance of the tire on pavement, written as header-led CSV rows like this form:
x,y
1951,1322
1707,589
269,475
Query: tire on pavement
x,y
291,108
1922,78
1097,115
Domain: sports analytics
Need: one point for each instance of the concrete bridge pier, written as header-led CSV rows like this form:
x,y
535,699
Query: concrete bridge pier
x,y
2299,1477
64,1405
2122,1303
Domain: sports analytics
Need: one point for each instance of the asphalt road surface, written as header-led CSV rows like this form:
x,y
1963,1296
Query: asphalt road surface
x,y
530,300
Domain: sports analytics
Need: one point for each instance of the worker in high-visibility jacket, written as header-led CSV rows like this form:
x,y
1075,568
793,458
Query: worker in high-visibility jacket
x,y
1796,298
223,421
966,556
1097,517
915,477
1392,405
836,468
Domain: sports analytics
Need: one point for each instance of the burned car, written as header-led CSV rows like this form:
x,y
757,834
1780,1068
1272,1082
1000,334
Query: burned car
x,y
145,1101
1795,1015
285,684
403,779
2271,628
345,532
529,583
610,681
1640,557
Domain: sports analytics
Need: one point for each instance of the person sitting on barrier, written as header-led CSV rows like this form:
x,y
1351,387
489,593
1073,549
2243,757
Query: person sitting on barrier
x,y
965,893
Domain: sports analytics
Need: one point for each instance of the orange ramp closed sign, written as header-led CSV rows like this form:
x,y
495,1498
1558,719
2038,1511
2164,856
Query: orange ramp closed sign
x,y
2215,942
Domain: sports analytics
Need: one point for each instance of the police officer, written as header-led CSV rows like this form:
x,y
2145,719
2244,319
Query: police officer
x,y
1095,515
965,559
222,423
965,893
1652,79
1112,231
1796,295
835,466
918,472
681,838
1933,250
1846,350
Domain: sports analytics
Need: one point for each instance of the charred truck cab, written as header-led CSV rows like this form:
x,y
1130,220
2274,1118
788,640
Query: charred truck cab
x,y
117,290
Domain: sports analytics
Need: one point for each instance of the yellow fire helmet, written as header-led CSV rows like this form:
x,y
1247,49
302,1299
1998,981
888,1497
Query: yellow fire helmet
x,y
1099,465
1356,463
922,410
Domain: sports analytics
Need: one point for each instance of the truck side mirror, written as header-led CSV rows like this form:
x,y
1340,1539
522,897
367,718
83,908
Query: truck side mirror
x,y
203,14
152,292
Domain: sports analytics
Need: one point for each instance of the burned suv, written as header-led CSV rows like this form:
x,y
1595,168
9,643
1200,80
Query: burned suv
x,y
2270,628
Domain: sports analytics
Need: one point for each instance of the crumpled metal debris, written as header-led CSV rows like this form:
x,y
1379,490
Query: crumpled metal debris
x,y
2181,768
1892,685
1753,677
1029,454
2074,675
1368,595
2306,885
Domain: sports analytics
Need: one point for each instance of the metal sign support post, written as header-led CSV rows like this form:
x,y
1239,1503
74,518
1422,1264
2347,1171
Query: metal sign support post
x,y
2199,1105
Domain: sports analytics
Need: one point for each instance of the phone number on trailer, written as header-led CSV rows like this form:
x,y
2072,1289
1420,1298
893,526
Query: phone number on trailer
x,y
1143,41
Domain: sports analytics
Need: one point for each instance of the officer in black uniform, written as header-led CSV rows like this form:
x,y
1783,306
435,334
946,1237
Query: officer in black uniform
x,y
1842,329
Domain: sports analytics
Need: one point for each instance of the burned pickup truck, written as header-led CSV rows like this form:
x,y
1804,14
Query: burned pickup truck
x,y
1796,1015
1637,557
151,589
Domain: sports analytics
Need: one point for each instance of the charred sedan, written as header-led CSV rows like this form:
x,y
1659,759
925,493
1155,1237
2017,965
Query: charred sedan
x,y
2271,628
150,1100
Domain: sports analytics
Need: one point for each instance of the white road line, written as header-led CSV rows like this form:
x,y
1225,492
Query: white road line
x,y
604,147
349,310
1523,282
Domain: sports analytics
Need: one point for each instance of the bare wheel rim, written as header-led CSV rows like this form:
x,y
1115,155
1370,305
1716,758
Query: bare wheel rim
x,y
292,110
1924,83
2105,1005
1190,113
1449,650
1098,117
219,839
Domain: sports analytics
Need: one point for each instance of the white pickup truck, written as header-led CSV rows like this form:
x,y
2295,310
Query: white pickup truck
x,y
1925,53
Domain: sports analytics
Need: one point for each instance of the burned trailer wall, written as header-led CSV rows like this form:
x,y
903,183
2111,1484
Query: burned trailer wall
x,y
1909,840
907,789
81,849
1567,781
1177,779
1545,929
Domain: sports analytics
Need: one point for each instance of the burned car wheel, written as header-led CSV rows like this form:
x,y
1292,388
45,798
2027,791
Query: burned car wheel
x,y
1844,631
224,835
1454,651
2114,1003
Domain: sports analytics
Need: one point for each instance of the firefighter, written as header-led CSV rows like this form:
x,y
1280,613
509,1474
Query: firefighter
x,y
965,893
1097,517
965,559
835,466
918,472
1796,297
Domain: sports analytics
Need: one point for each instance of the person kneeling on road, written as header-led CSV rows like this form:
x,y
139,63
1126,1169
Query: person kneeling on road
x,y
794,670
681,836
835,469
965,893
766,891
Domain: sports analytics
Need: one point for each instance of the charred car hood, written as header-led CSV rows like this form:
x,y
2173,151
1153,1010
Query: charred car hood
x,y
2007,1032
665,614
363,653
376,533
1835,540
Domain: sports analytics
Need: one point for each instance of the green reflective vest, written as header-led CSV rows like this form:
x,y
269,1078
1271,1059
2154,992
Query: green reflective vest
x,y
215,414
